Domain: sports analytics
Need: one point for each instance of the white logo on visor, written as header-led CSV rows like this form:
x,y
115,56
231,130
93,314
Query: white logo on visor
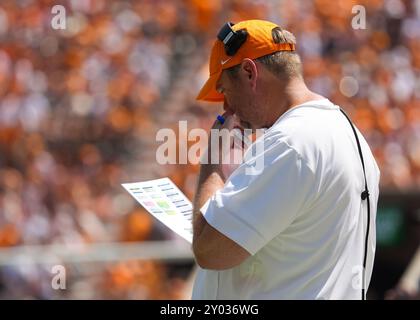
x,y
224,61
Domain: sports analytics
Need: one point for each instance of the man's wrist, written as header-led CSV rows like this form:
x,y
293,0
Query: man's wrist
x,y
209,168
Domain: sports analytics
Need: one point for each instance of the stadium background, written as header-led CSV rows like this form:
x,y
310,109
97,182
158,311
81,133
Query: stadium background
x,y
80,107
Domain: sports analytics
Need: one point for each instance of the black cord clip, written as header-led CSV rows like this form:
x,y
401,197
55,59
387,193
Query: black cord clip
x,y
365,194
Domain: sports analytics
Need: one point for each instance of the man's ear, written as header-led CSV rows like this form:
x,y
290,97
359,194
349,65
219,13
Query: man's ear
x,y
250,72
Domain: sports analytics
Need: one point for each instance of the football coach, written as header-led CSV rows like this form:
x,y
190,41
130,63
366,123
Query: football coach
x,y
304,226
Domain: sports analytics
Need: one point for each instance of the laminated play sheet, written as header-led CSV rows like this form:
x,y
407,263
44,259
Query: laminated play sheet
x,y
163,199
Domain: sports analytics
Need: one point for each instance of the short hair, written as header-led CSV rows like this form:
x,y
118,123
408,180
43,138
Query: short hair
x,y
283,64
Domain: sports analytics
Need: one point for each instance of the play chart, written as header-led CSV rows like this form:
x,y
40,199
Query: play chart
x,y
163,199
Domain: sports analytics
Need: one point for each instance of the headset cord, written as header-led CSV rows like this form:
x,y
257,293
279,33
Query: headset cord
x,y
365,196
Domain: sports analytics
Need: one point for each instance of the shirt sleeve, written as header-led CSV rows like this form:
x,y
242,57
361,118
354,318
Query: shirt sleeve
x,y
253,208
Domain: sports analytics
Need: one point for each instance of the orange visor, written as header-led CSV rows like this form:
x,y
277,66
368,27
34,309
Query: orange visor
x,y
259,42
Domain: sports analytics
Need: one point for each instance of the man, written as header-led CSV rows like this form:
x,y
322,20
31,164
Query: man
x,y
300,228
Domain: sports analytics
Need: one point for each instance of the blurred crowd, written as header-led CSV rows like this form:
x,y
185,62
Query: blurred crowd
x,y
75,102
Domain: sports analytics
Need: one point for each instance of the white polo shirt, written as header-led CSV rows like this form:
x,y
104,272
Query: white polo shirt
x,y
301,218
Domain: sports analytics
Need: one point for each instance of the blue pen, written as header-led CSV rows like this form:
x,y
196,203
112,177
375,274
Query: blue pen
x,y
221,119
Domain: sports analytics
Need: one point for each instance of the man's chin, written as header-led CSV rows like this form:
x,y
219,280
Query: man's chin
x,y
245,124
251,126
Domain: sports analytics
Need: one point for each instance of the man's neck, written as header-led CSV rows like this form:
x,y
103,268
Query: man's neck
x,y
293,93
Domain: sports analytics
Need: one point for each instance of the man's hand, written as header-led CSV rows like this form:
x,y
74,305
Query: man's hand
x,y
214,173
227,153
212,249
